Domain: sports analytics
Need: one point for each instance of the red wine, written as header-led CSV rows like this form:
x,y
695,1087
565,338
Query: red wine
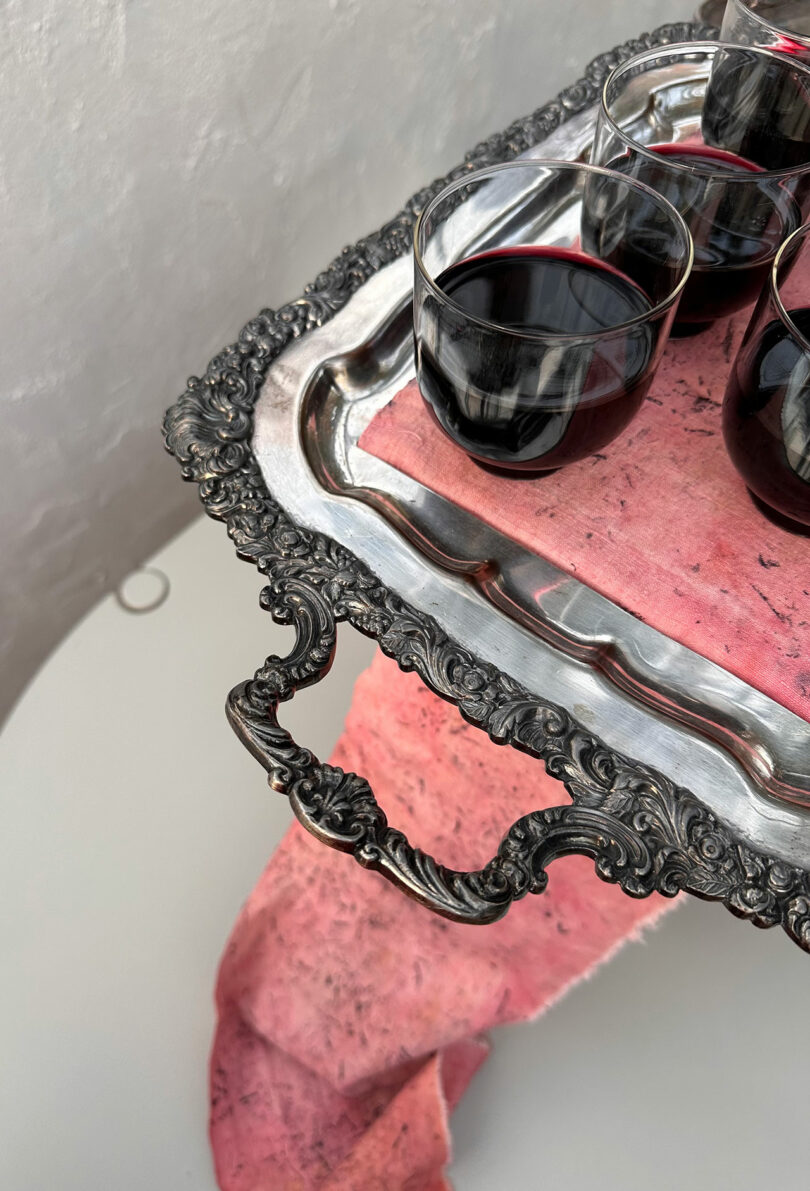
x,y
690,153
766,418
737,229
526,403
787,45
759,108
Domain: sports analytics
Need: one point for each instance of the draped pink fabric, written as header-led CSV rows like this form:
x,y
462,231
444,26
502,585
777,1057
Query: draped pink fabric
x,y
659,522
351,1020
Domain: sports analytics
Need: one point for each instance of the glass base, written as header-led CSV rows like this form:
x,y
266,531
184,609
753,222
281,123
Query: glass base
x,y
513,473
777,518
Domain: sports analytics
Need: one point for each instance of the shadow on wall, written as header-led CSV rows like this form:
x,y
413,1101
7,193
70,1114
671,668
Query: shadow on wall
x,y
168,171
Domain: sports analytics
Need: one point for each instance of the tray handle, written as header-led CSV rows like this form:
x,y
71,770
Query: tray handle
x,y
340,809
643,832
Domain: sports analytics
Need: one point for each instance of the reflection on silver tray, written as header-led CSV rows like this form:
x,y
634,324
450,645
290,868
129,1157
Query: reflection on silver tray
x,y
744,755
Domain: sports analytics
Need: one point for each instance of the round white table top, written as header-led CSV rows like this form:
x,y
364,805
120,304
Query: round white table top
x,y
132,826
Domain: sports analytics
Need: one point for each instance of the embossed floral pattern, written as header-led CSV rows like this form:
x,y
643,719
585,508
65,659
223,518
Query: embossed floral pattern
x,y
642,832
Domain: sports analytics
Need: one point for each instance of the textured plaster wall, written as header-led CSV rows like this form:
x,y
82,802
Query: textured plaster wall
x,y
166,169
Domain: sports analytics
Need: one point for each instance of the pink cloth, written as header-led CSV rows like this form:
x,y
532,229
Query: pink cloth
x,y
351,1019
659,522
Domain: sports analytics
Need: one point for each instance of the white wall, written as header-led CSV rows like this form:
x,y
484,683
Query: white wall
x,y
166,169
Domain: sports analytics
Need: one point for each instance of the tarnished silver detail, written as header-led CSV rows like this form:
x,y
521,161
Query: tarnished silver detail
x,y
336,544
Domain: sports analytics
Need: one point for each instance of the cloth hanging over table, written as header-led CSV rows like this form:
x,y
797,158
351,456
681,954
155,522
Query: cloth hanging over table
x,y
351,1019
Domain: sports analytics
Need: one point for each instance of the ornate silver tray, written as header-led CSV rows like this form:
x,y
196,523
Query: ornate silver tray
x,y
681,776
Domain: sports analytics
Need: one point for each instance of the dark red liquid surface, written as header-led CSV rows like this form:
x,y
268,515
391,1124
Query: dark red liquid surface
x,y
737,229
530,404
766,418
688,154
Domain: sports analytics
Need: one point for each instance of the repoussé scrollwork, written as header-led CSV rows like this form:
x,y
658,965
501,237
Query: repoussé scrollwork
x,y
642,831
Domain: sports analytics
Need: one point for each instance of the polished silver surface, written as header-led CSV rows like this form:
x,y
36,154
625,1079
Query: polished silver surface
x,y
743,755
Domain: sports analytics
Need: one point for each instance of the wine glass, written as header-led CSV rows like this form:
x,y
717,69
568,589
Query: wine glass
x,y
766,411
724,133
782,25
537,336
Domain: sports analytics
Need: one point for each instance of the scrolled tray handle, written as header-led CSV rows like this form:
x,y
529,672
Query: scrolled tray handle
x,y
642,832
340,809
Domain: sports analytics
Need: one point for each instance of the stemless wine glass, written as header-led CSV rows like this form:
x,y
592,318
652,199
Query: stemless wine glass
x,y
782,25
724,133
536,338
766,412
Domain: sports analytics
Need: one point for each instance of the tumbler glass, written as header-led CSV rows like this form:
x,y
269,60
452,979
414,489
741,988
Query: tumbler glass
x,y
782,25
723,132
766,411
543,297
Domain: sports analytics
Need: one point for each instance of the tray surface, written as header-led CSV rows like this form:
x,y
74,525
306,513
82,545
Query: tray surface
x,y
344,373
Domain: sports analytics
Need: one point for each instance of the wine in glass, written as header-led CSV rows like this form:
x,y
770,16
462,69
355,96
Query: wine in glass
x,y
766,411
723,132
533,349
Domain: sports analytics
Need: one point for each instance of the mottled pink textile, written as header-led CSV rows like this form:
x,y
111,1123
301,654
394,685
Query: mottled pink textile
x,y
659,522
351,1019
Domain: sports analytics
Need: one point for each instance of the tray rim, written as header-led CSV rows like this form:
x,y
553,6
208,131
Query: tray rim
x,y
643,831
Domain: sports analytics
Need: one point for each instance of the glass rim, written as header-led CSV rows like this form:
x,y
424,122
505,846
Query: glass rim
x,y
799,234
558,336
771,26
676,49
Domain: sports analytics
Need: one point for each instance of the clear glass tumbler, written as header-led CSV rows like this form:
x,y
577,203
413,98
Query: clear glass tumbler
x,y
782,25
766,411
723,132
543,297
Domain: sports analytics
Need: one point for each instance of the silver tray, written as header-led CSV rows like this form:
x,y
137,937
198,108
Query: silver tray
x,y
741,752
680,777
